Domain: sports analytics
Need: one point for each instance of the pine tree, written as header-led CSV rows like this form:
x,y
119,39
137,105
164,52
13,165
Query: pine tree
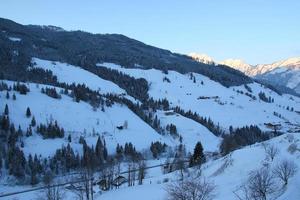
x,y
19,132
7,95
29,131
99,150
5,123
16,162
105,153
14,96
69,138
28,112
198,157
6,112
33,122
119,151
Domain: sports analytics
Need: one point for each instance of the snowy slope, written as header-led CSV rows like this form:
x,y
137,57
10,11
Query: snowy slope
x,y
242,162
225,106
77,119
231,108
191,131
73,74
227,179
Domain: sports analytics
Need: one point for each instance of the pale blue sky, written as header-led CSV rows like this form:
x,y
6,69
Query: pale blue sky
x,y
258,31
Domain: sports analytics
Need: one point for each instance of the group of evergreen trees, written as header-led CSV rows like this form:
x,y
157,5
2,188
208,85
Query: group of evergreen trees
x,y
171,128
137,88
128,152
248,88
51,130
161,104
51,92
241,137
34,169
249,94
65,159
10,152
157,148
21,88
143,112
18,87
263,97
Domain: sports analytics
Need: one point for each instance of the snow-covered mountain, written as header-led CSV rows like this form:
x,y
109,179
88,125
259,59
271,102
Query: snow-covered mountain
x,y
281,73
289,64
234,106
285,72
203,58
89,115
238,65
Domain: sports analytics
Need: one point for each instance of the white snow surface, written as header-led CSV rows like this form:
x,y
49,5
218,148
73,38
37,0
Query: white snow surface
x,y
203,58
230,108
77,119
238,64
227,179
14,39
74,74
191,131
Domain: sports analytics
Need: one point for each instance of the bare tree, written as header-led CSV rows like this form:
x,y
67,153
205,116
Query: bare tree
x,y
179,160
125,125
260,185
285,170
133,173
272,151
129,174
141,171
52,191
191,189
84,189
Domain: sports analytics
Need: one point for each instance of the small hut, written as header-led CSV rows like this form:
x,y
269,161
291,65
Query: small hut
x,y
120,180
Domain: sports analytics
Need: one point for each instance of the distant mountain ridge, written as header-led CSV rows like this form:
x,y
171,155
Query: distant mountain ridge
x,y
238,65
281,73
86,49
203,58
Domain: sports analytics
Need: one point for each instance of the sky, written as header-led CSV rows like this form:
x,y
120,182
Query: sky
x,y
257,31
